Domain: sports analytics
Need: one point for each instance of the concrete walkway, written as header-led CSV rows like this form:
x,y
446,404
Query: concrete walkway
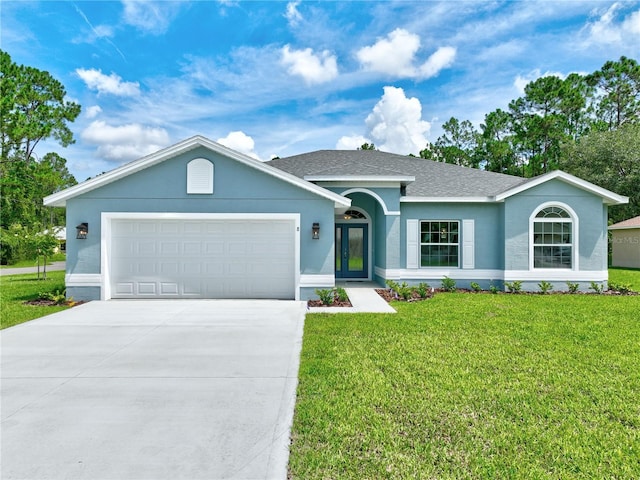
x,y
136,389
18,271
363,297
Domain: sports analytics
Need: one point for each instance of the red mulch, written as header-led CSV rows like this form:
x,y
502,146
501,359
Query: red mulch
x,y
336,303
43,302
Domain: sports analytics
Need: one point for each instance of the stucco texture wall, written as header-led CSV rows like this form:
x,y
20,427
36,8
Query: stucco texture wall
x,y
625,248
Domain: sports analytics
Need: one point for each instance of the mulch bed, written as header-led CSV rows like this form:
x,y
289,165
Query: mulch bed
x,y
336,303
389,295
43,302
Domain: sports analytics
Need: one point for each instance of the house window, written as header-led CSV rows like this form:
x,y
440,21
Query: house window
x,y
553,238
439,243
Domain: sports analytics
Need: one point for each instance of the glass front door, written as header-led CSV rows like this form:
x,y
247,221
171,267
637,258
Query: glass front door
x,y
352,250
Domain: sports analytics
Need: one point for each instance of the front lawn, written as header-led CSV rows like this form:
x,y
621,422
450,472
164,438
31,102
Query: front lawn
x,y
472,386
629,276
16,289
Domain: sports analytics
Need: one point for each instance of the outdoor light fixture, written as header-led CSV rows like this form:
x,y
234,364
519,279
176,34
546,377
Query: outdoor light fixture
x,y
315,231
82,231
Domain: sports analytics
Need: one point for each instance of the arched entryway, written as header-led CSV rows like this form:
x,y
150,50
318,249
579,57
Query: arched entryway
x,y
353,244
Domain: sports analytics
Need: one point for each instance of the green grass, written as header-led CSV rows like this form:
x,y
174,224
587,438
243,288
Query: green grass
x,y
625,276
16,289
472,386
58,257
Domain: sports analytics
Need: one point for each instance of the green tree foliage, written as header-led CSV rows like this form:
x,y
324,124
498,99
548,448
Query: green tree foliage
x,y
367,146
496,144
617,87
610,159
457,145
33,109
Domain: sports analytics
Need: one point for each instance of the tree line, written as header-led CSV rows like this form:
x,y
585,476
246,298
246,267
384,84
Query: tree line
x,y
33,108
587,125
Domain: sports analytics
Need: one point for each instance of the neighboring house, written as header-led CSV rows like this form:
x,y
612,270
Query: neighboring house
x,y
198,220
625,239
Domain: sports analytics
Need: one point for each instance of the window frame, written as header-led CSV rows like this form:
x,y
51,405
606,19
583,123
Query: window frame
x,y
458,244
572,219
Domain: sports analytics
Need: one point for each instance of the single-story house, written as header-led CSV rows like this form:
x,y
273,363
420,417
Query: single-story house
x,y
625,239
199,220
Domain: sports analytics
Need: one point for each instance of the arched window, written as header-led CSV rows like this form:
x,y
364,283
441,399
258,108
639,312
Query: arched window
x,y
200,176
553,237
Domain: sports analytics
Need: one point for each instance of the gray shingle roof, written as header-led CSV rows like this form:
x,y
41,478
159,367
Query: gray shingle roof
x,y
432,179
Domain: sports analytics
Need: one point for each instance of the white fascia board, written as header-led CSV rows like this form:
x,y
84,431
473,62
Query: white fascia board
x,y
632,227
608,196
446,199
59,199
395,179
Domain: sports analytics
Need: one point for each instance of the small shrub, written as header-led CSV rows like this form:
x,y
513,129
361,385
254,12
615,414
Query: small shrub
x,y
448,284
545,287
493,289
596,287
327,295
623,288
393,285
341,294
405,291
59,297
423,290
573,287
514,287
475,286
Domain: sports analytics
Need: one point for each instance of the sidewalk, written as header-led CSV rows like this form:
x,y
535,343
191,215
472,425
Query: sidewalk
x,y
18,271
364,299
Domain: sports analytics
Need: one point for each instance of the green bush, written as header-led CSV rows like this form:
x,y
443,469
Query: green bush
x,y
514,287
493,289
341,294
423,289
596,287
475,286
573,287
448,284
327,295
545,287
623,288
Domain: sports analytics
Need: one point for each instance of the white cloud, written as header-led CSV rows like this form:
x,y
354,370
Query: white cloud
x,y
112,84
93,111
124,142
439,60
396,124
292,14
395,56
240,142
313,68
352,142
150,17
606,30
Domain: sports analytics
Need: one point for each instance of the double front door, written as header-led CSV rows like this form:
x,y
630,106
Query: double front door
x,y
352,250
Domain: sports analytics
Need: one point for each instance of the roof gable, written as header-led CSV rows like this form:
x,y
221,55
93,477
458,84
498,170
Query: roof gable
x,y
629,223
59,199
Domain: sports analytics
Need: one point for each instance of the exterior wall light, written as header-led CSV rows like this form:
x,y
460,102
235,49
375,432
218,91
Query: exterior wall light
x,y
82,230
315,231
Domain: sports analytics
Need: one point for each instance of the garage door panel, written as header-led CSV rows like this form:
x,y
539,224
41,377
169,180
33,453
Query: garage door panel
x,y
203,258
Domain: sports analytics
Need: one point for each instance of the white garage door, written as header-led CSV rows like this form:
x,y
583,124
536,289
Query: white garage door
x,y
193,258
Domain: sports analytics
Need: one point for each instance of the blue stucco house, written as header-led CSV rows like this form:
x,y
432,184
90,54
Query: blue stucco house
x,y
199,220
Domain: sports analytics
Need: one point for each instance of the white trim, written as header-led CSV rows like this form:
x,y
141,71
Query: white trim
x,y
108,217
556,274
83,280
490,274
371,184
632,227
446,200
438,273
59,199
309,280
374,195
608,196
575,234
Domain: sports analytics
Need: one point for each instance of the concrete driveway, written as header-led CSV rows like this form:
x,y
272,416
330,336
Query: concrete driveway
x,y
180,389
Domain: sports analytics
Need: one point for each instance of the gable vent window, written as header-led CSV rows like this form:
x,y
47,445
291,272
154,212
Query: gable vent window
x,y
200,176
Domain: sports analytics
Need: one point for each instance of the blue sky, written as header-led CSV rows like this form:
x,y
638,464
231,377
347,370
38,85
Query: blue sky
x,y
282,78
